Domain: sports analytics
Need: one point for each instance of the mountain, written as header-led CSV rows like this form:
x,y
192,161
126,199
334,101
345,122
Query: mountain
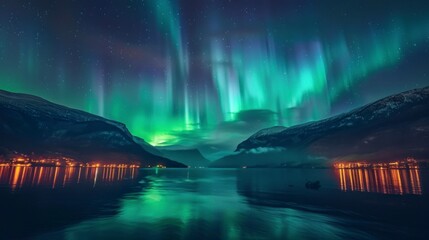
x,y
32,125
189,157
389,129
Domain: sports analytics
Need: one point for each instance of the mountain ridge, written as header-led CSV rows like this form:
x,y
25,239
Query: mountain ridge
x,y
373,132
30,124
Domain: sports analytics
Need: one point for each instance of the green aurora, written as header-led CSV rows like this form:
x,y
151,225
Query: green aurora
x,y
174,76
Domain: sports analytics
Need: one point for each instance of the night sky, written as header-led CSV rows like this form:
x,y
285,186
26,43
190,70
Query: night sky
x,y
209,73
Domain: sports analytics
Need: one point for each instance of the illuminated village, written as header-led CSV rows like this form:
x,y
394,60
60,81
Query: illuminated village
x,y
25,161
400,164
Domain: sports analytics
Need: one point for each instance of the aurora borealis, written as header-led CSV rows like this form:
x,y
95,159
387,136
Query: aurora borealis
x,y
210,73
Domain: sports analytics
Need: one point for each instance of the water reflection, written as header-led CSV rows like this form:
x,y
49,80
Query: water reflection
x,y
386,181
17,177
38,199
205,204
210,204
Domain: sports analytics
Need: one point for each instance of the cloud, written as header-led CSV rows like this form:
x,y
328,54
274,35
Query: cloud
x,y
260,150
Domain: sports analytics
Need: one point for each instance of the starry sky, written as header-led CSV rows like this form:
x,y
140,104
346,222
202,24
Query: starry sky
x,y
209,73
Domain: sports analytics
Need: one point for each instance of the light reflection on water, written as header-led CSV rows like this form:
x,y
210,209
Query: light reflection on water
x,y
188,204
216,203
386,181
17,177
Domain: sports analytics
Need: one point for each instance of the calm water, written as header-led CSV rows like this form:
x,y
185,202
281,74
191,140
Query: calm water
x,y
104,203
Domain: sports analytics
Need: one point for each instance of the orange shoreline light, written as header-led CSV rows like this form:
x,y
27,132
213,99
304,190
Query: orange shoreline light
x,y
72,165
401,164
25,161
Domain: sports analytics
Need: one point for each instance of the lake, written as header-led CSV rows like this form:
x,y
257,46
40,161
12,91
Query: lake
x,y
111,203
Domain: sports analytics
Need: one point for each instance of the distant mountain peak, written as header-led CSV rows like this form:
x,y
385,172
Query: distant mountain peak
x,y
190,157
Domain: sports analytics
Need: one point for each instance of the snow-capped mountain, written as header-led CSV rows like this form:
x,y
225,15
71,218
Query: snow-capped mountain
x,y
391,128
29,124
